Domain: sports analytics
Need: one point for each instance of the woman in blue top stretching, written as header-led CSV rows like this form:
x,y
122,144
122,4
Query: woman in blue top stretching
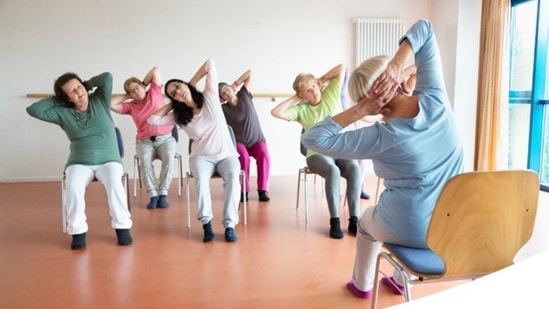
x,y
416,150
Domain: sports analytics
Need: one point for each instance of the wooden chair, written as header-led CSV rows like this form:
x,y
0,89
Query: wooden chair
x,y
479,223
241,178
124,182
177,158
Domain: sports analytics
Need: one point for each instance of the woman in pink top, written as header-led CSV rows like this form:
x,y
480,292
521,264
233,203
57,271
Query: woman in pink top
x,y
143,98
199,114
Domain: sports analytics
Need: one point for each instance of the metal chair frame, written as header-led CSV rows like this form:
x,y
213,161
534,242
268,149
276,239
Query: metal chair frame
x,y
124,183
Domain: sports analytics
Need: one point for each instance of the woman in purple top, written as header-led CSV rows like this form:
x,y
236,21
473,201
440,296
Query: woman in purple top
x,y
240,114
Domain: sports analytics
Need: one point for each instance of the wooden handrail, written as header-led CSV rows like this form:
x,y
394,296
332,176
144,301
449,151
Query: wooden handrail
x,y
272,95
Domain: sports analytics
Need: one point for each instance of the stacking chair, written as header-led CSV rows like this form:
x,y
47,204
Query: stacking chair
x,y
302,178
479,223
241,179
124,182
177,157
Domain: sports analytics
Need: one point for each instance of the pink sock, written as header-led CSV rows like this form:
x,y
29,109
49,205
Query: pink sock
x,y
358,293
391,283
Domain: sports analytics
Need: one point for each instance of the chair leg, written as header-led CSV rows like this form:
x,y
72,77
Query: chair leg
x,y
188,198
300,173
305,197
405,276
298,188
125,177
376,282
180,174
243,191
136,175
63,206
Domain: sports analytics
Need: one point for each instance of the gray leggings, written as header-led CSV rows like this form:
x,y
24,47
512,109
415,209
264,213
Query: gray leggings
x,y
331,170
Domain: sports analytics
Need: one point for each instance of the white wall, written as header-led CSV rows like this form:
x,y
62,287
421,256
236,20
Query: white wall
x,y
42,39
460,53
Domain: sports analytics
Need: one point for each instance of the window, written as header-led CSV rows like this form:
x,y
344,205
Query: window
x,y
528,88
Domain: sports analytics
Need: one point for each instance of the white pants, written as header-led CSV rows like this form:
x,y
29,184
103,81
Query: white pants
x,y
370,236
77,178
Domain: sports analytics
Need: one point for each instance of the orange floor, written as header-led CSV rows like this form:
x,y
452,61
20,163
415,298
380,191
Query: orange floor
x,y
279,261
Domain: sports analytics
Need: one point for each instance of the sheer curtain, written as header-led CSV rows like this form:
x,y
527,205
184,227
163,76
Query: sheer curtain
x,y
492,103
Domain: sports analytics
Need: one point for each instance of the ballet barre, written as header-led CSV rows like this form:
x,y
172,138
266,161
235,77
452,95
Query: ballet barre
x,y
271,95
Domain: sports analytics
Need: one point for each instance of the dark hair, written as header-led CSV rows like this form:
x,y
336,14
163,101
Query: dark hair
x,y
220,87
182,113
62,80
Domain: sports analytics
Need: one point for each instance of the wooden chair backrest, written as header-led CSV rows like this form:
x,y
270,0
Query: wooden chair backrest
x,y
482,219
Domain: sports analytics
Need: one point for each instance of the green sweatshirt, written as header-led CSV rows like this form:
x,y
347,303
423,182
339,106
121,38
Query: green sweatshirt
x,y
91,133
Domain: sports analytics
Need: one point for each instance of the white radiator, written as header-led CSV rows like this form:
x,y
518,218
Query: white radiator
x,y
377,36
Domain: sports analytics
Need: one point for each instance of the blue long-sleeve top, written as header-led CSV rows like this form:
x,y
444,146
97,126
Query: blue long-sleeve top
x,y
415,156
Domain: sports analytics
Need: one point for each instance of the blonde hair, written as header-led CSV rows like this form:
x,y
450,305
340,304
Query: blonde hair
x,y
300,79
363,77
130,81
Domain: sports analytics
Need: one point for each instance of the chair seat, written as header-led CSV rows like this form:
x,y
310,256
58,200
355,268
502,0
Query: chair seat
x,y
422,261
497,208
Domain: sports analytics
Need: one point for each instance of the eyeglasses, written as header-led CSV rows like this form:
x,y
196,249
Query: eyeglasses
x,y
135,89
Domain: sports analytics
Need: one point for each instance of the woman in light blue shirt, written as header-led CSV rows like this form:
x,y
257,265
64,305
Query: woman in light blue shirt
x,y
415,150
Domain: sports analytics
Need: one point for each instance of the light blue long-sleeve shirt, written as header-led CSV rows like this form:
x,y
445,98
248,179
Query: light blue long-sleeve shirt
x,y
415,156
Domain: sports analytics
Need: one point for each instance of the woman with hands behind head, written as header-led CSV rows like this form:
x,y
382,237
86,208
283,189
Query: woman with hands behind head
x,y
87,121
322,102
240,114
199,114
143,98
416,150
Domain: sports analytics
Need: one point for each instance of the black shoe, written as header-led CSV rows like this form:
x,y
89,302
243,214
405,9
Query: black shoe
x,y
242,195
364,195
153,202
335,229
352,228
163,201
78,241
230,236
124,237
208,232
263,197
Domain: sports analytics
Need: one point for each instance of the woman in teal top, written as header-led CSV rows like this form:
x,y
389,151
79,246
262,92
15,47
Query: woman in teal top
x,y
87,122
319,102
416,150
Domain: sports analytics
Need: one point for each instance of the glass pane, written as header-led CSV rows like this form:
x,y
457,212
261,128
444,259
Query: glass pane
x,y
523,34
522,45
544,173
519,131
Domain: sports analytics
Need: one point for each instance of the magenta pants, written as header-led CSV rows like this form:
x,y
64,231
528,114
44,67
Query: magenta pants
x,y
260,153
